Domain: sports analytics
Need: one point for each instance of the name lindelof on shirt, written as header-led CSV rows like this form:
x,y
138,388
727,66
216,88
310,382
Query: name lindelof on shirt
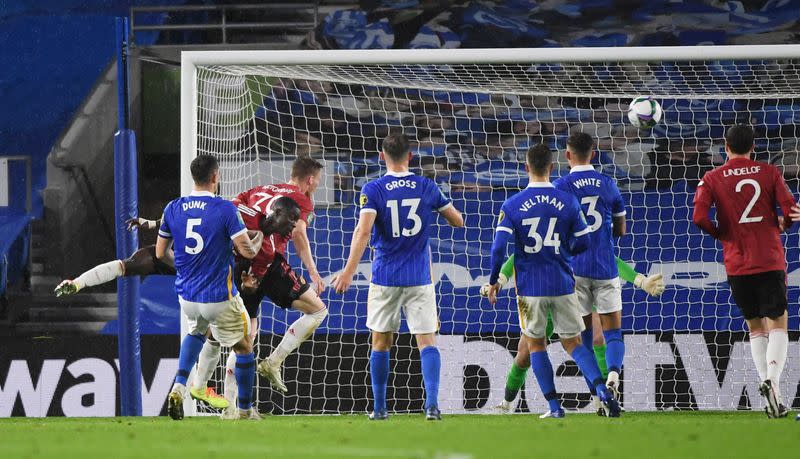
x,y
401,184
541,199
741,171
580,183
194,205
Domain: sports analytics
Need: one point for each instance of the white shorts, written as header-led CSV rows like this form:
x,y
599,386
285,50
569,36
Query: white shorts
x,y
228,320
604,294
567,319
418,304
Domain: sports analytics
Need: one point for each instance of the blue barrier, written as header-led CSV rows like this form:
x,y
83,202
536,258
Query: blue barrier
x,y
662,239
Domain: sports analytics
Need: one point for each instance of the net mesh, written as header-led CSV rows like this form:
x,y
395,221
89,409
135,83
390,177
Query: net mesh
x,y
471,126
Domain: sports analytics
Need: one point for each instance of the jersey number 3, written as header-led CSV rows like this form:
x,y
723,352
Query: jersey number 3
x,y
746,218
190,234
394,211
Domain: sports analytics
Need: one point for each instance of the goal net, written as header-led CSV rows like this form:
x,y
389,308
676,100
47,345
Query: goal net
x,y
471,116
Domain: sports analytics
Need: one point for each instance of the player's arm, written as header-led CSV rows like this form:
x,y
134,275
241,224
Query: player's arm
x,y
453,216
502,235
142,223
505,274
653,285
164,241
246,242
357,246
618,223
786,202
702,205
303,247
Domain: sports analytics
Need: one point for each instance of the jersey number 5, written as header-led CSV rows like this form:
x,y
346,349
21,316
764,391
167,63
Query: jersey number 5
x,y
394,210
746,218
551,239
190,234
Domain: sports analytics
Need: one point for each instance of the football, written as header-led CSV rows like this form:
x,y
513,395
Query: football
x,y
644,112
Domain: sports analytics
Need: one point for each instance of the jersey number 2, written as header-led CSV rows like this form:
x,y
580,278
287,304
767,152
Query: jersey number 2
x,y
394,210
746,218
190,234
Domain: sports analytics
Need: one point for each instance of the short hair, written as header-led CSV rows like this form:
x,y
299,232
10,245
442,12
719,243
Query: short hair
x,y
740,138
285,203
305,166
396,146
581,145
203,168
539,158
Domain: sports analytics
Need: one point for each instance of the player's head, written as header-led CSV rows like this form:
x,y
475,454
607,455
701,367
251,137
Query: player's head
x,y
739,140
580,148
395,149
205,171
307,173
539,161
284,216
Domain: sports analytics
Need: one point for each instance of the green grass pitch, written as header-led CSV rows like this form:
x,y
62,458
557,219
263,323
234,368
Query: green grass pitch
x,y
637,435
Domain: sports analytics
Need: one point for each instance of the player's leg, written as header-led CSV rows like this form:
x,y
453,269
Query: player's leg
x,y
288,290
314,313
599,344
533,312
515,378
140,263
774,309
419,304
230,323
206,364
608,295
569,324
585,294
383,319
190,349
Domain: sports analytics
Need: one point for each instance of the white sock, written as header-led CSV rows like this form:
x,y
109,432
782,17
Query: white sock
x,y
231,388
776,355
298,332
613,377
758,349
178,387
100,274
206,363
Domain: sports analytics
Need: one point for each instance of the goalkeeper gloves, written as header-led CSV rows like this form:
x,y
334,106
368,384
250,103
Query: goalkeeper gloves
x,y
653,285
501,279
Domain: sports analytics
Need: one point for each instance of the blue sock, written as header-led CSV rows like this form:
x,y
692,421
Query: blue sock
x,y
379,371
615,349
245,374
587,338
187,357
543,370
431,367
588,365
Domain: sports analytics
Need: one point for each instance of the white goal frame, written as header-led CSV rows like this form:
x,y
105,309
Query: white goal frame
x,y
191,61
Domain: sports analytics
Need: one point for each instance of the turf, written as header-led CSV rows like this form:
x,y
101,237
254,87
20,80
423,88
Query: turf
x,y
637,435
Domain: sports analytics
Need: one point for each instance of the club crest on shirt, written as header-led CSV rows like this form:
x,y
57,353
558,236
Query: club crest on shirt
x,y
363,200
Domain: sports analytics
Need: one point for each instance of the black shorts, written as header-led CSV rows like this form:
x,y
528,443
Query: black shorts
x,y
280,284
760,295
158,267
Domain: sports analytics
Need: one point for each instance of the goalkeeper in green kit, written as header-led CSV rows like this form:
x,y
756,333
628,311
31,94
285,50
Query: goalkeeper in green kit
x,y
653,285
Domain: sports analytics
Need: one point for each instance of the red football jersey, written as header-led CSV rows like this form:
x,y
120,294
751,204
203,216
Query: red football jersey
x,y
745,194
254,204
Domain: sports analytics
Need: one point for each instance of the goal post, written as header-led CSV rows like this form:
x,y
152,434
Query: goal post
x,y
471,115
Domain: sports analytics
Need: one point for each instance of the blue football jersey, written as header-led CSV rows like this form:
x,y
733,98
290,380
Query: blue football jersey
x,y
547,227
406,206
202,227
600,200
